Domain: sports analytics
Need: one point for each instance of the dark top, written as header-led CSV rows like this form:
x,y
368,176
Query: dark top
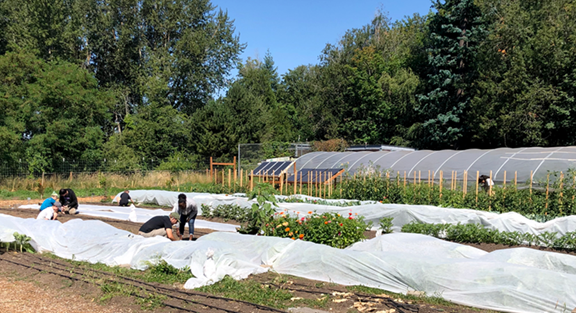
x,y
124,197
156,222
70,199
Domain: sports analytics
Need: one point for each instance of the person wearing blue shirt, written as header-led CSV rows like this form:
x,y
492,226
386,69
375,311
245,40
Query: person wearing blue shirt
x,y
48,203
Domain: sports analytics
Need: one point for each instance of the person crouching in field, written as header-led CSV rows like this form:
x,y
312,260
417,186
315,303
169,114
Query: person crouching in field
x,y
50,213
160,226
69,201
48,203
188,210
125,198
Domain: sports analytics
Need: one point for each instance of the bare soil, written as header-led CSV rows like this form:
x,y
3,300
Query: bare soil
x,y
64,283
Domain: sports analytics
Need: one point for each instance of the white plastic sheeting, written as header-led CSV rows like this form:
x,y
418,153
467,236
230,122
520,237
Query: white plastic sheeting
x,y
373,212
137,215
514,280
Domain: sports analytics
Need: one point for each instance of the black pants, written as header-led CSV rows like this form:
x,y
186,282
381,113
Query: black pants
x,y
187,219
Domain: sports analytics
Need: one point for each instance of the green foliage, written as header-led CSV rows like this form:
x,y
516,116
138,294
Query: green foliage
x,y
296,199
386,224
371,184
329,228
164,273
477,233
227,212
22,241
261,214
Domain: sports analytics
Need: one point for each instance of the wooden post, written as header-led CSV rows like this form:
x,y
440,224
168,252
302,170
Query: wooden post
x,y
70,176
531,185
547,188
223,178
251,180
504,186
300,182
235,177
561,184
516,180
281,184
43,179
404,179
229,178
464,181
398,179
211,166
234,168
429,179
477,178
241,174
295,178
440,195
490,185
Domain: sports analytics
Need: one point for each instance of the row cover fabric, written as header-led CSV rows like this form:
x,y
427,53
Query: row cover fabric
x,y
374,211
137,215
513,280
522,161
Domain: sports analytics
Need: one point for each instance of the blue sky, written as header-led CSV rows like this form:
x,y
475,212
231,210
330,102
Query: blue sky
x,y
296,31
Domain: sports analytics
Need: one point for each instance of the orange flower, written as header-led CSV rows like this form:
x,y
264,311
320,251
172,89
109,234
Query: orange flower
x,y
287,229
325,223
281,213
338,214
301,236
293,238
309,212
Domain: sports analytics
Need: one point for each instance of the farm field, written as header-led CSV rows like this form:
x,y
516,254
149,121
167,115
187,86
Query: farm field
x,y
39,271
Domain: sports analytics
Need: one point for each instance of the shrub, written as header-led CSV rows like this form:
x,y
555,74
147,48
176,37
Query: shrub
x,y
329,228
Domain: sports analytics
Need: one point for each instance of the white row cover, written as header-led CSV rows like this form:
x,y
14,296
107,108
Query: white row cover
x,y
373,212
513,280
137,215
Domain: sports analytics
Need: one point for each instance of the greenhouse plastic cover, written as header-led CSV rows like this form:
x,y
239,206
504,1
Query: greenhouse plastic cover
x,y
374,211
521,160
514,280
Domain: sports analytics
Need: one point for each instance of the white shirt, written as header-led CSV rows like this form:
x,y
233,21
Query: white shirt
x,y
489,182
46,214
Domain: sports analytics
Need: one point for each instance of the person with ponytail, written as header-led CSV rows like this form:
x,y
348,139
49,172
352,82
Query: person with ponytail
x,y
188,209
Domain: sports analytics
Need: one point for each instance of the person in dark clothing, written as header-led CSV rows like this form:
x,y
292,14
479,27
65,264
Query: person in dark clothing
x,y
160,226
188,210
125,198
69,201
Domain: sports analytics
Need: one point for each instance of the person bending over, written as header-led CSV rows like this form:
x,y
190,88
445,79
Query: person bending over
x,y
69,201
51,213
125,198
49,202
188,209
160,226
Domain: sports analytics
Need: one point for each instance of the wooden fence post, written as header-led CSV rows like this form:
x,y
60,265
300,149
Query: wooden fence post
x,y
547,188
440,195
241,175
295,179
300,183
229,178
252,180
477,178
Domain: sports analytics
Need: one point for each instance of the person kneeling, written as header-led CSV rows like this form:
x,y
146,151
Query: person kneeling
x,y
50,213
160,226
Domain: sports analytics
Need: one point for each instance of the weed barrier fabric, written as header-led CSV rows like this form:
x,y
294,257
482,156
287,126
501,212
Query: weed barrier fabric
x,y
373,212
513,280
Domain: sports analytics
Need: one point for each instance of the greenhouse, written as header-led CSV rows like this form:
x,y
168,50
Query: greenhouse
x,y
504,163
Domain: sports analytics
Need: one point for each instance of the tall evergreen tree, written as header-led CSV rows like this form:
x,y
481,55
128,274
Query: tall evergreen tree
x,y
456,31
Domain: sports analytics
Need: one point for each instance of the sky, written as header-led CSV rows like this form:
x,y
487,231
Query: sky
x,y
296,31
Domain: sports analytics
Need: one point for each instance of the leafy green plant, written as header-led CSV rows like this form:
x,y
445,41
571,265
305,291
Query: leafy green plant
x,y
386,224
227,212
261,214
23,242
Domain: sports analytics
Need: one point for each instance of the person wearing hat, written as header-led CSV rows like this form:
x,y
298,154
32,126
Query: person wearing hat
x,y
188,210
69,201
49,202
160,226
50,214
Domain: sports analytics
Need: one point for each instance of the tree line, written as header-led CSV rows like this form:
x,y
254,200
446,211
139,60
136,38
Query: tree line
x,y
130,80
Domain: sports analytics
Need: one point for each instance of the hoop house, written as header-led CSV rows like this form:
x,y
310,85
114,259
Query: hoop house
x,y
512,161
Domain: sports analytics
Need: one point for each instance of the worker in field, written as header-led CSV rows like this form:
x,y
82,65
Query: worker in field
x,y
125,198
188,210
160,226
486,182
69,201
50,213
49,202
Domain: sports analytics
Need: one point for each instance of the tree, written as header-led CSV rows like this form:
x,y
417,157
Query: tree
x,y
456,31
54,108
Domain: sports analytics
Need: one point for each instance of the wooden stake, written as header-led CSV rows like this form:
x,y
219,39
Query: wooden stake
x,y
295,179
547,188
229,178
251,180
516,180
404,179
281,185
300,182
223,178
504,185
561,184
429,179
440,195
531,185
241,175
490,185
